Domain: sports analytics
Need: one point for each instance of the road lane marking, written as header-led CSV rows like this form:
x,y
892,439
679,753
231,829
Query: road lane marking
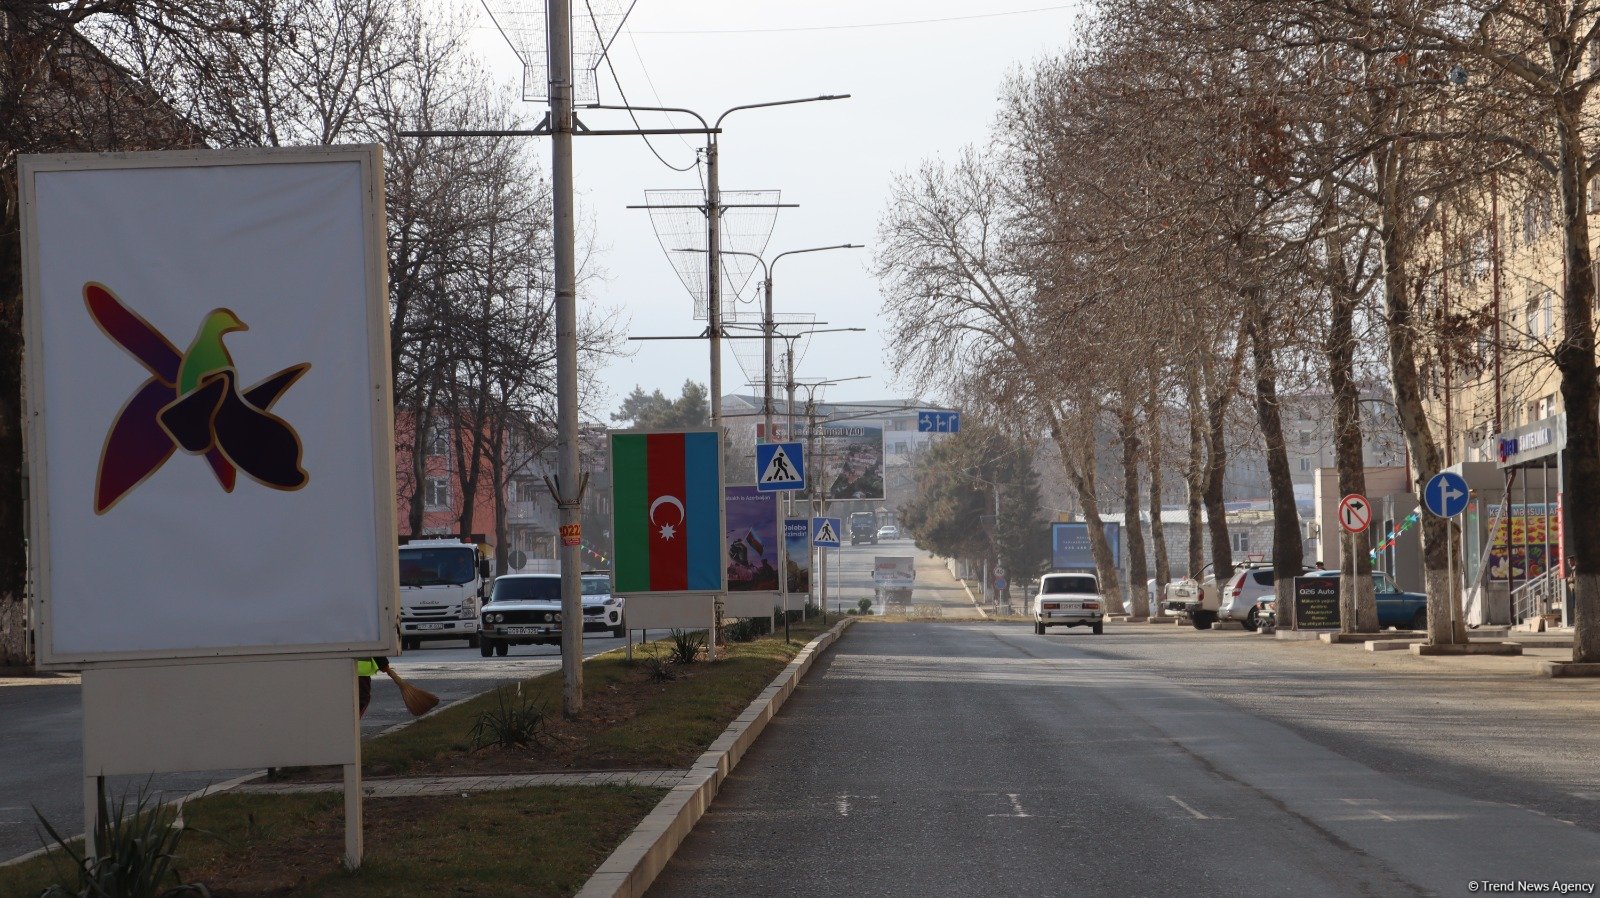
x,y
1016,807
1196,814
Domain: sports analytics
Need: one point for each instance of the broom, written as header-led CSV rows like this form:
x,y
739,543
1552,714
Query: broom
x,y
418,701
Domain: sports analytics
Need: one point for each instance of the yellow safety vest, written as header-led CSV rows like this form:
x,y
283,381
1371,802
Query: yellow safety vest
x,y
366,667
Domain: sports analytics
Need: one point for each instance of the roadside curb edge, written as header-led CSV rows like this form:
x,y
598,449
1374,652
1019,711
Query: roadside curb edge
x,y
629,871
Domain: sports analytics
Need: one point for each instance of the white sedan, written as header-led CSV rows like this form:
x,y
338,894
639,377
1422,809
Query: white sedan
x,y
889,532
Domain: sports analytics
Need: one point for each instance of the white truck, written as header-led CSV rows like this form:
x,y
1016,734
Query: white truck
x,y
893,577
442,583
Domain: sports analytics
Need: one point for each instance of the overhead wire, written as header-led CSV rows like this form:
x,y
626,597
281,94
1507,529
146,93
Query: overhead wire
x,y
606,55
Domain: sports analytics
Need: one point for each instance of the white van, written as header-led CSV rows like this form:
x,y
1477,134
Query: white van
x,y
1068,600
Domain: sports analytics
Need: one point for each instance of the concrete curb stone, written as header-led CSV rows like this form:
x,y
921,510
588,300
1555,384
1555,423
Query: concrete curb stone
x,y
641,857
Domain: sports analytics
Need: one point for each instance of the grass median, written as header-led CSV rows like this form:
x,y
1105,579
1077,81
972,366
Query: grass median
x,y
542,841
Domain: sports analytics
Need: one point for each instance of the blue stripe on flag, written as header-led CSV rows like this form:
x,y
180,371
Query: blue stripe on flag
x,y
703,502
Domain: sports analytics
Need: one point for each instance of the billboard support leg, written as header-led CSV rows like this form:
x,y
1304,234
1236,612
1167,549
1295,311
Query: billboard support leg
x,y
354,844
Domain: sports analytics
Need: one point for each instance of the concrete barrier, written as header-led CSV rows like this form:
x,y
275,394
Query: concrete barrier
x,y
641,857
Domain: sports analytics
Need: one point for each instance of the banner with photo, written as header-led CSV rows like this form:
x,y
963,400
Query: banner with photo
x,y
750,540
843,461
797,544
1523,546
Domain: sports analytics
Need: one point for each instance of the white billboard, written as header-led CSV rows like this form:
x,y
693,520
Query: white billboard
x,y
208,423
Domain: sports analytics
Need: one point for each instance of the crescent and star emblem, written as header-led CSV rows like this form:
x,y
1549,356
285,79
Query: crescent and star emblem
x,y
667,530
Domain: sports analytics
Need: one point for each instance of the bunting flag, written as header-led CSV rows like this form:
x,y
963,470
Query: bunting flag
x,y
667,512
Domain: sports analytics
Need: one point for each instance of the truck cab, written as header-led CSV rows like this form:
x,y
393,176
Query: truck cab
x,y
442,583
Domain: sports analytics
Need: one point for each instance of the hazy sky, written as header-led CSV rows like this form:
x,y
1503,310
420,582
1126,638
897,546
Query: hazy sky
x,y
918,91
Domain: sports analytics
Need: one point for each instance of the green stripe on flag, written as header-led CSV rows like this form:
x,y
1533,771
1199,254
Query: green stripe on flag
x,y
631,533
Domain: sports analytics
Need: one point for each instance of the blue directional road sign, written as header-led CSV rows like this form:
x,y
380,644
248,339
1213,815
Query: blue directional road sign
x,y
1446,494
825,533
779,467
938,422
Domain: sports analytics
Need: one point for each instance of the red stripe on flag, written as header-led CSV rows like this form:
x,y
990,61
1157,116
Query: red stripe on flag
x,y
669,538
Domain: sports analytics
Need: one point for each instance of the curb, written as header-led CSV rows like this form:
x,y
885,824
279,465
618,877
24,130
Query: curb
x,y
974,601
641,857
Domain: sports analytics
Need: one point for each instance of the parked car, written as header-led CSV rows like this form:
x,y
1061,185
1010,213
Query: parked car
x,y
525,609
1248,586
1068,600
889,531
1194,599
1396,608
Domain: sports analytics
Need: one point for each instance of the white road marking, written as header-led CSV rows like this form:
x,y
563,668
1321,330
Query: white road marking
x,y
1180,803
1016,807
843,804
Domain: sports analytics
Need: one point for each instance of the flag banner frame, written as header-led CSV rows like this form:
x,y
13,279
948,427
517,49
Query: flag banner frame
x,y
650,490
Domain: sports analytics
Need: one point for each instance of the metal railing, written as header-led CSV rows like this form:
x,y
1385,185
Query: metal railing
x,y
1534,597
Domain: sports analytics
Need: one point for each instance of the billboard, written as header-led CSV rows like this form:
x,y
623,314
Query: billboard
x,y
797,546
845,460
1069,546
210,437
750,538
666,512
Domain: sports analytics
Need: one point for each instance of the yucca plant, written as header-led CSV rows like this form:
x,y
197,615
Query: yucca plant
x,y
515,720
686,645
136,850
659,668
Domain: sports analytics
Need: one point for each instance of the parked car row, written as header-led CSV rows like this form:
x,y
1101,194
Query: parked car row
x,y
1249,597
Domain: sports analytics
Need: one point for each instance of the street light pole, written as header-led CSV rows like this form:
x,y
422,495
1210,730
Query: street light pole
x,y
569,488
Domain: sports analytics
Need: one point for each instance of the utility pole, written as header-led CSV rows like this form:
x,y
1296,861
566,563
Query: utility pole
x,y
558,13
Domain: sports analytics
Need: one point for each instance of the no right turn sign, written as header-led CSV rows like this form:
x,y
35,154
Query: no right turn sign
x,y
1355,513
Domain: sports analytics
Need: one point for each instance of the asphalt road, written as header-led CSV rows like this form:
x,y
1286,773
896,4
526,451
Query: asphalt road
x,y
980,759
850,580
43,728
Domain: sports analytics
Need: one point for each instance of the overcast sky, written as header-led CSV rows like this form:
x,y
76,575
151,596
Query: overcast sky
x,y
918,91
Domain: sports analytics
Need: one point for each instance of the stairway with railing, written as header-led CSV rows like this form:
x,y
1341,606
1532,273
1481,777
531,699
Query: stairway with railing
x,y
1535,597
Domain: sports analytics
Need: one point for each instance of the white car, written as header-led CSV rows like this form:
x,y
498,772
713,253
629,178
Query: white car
x,y
1246,588
1068,600
889,532
525,609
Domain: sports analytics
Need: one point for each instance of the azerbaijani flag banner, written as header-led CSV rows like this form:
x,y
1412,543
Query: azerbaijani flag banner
x,y
667,512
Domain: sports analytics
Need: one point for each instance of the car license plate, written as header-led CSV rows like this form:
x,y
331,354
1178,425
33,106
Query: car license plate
x,y
429,627
519,631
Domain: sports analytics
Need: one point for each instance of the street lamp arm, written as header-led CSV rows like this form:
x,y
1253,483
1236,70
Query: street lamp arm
x,y
813,249
659,109
729,112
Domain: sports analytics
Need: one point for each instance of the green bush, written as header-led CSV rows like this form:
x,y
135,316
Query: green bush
x,y
864,607
135,853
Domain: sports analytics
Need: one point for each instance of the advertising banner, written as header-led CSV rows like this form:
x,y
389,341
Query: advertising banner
x,y
845,460
797,543
1316,603
1525,543
1069,546
751,540
211,441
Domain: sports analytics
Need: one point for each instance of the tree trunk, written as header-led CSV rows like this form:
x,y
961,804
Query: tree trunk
x,y
1580,393
1138,592
1401,328
1358,609
1288,553
14,649
1195,476
1217,396
1158,530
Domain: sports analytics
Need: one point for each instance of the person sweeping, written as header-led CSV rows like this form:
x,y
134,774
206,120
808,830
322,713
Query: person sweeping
x,y
418,701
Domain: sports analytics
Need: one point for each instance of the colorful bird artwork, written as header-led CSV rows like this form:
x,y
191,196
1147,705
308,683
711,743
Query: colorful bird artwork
x,y
192,401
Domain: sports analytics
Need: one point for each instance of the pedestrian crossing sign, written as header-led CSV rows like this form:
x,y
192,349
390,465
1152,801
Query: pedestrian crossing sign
x,y
825,533
779,467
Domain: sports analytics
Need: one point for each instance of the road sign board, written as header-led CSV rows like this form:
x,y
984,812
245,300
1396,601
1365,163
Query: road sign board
x,y
938,422
1446,494
780,466
1000,583
825,533
518,559
999,571
1355,513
